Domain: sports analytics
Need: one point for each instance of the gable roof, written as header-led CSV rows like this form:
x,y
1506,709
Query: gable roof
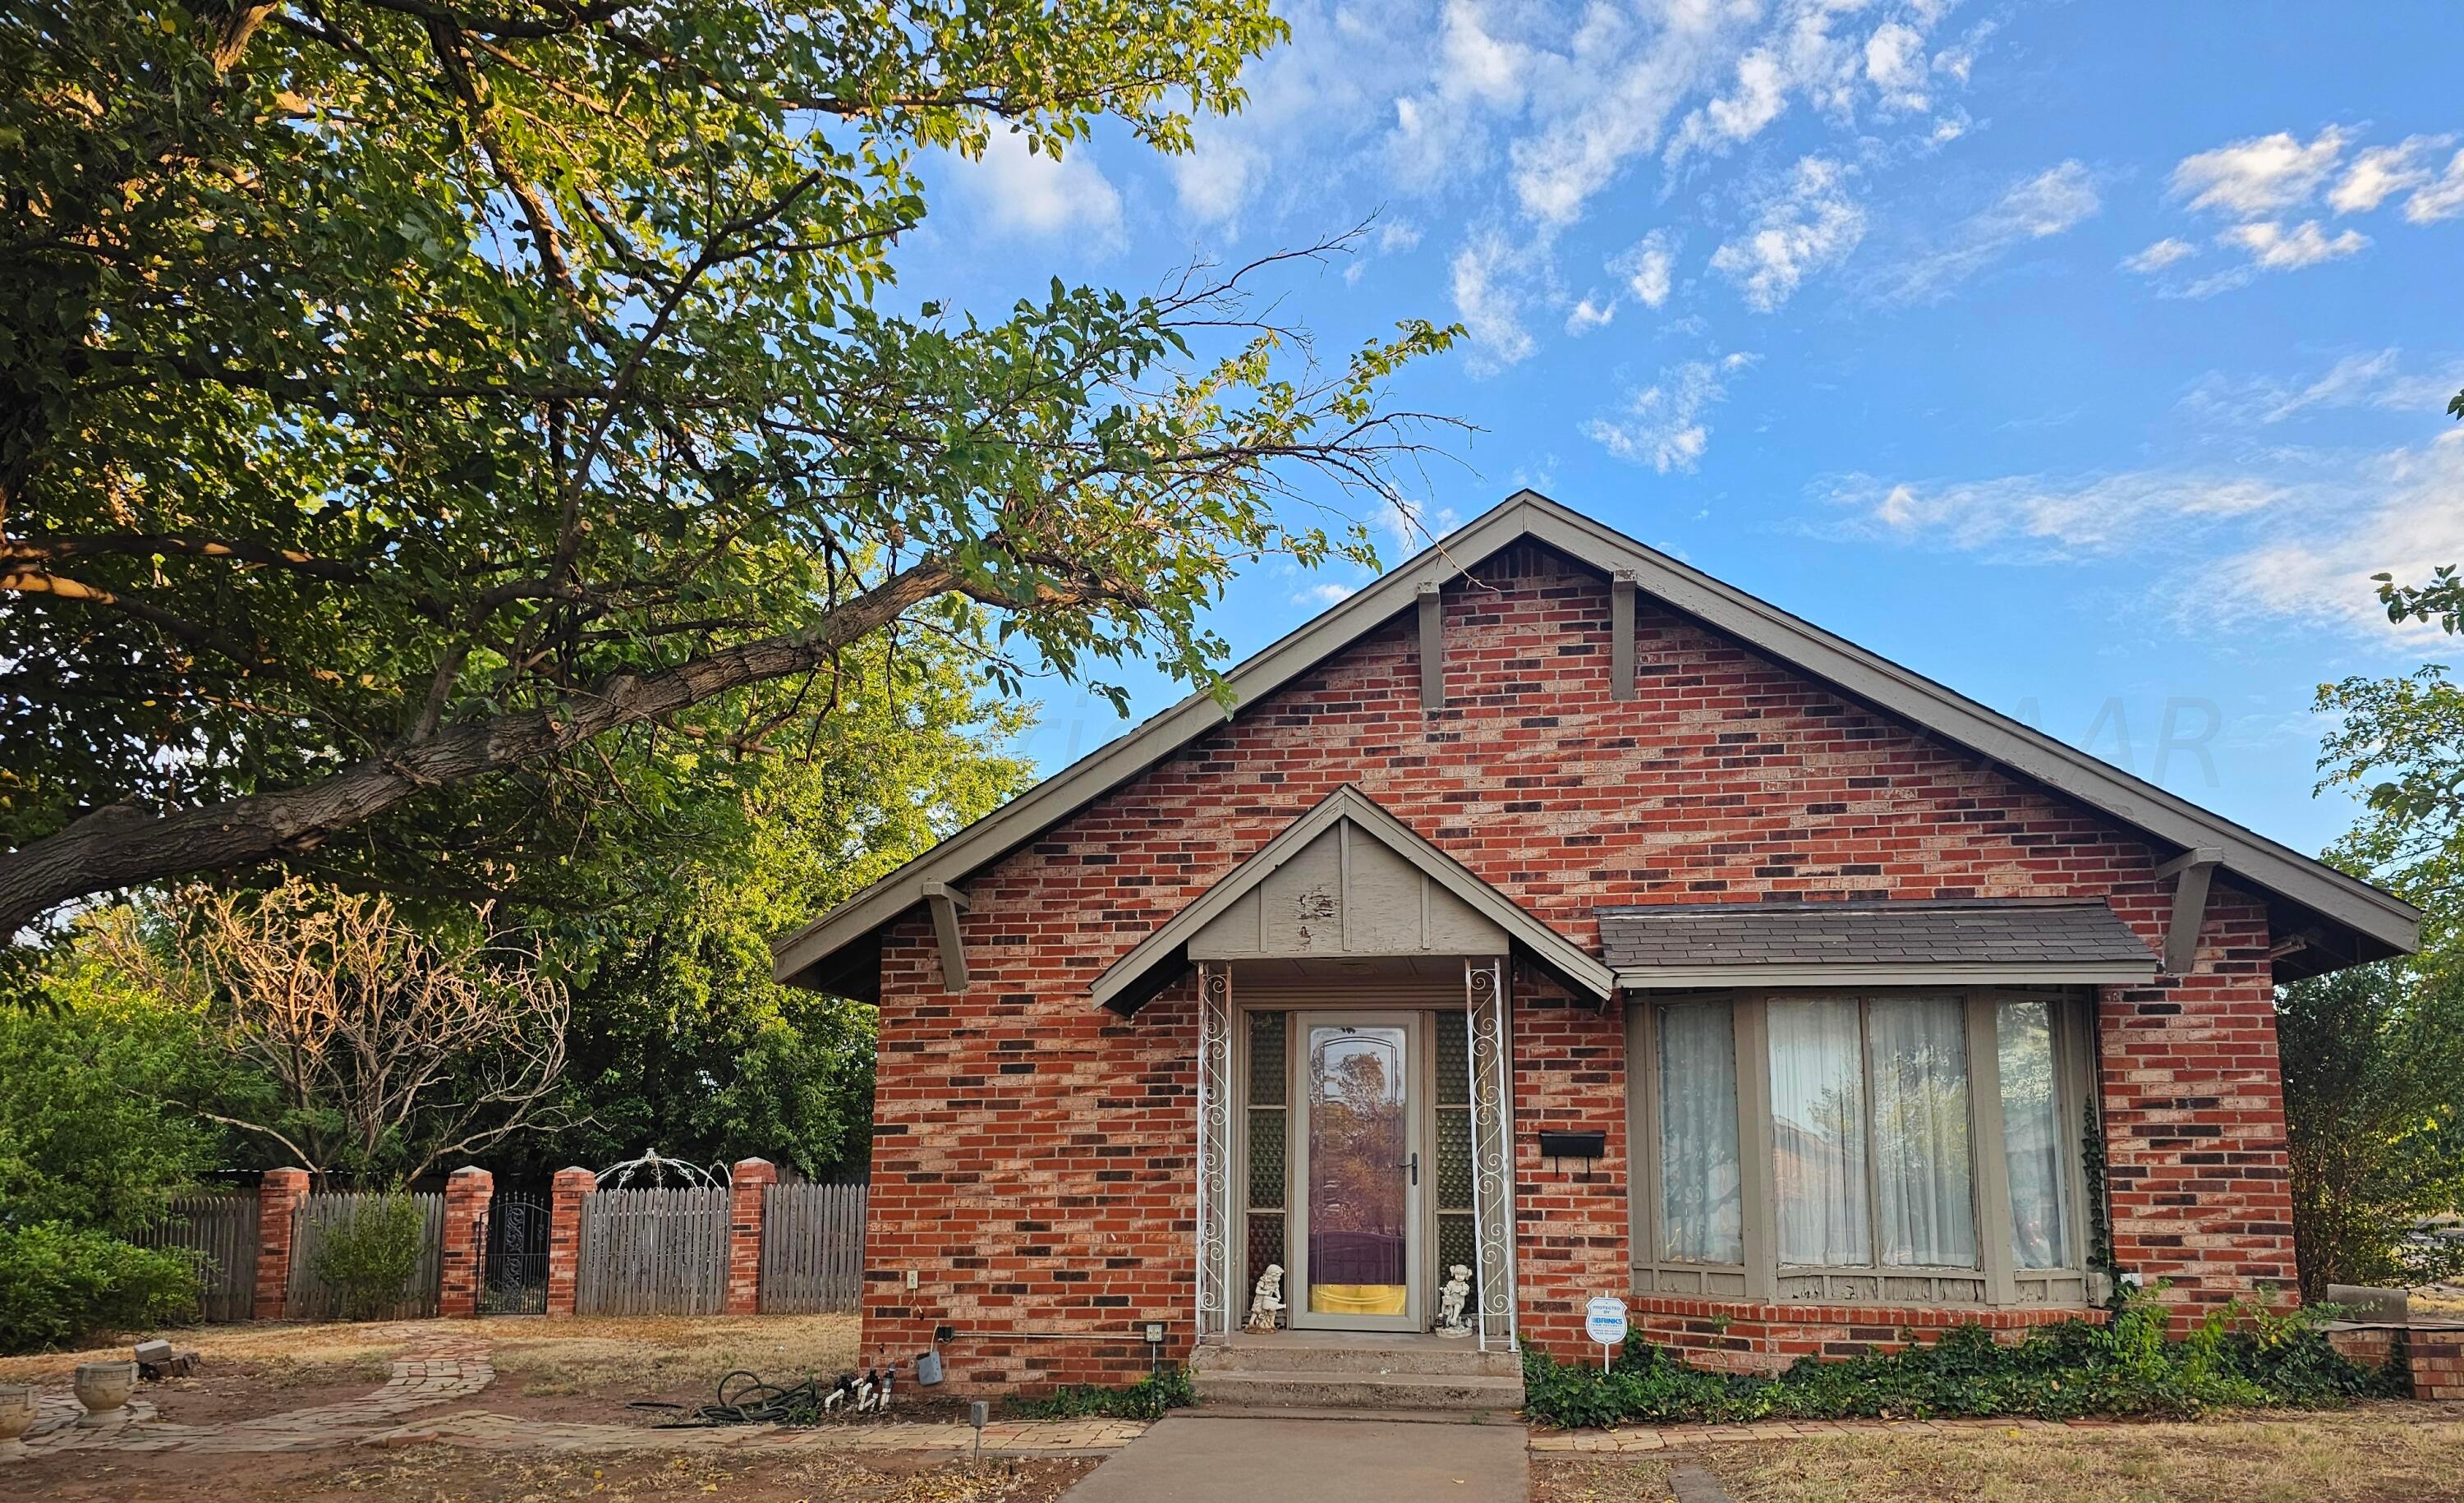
x,y
1130,979
2377,924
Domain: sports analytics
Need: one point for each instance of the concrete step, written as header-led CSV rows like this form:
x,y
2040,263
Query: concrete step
x,y
1341,1390
1284,1354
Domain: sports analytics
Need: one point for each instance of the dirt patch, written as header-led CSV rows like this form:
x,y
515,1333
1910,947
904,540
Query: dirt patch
x,y
1600,1479
437,1473
2378,1454
241,1390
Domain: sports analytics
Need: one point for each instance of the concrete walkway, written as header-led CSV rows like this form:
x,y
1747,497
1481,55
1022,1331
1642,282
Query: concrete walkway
x,y
1187,1460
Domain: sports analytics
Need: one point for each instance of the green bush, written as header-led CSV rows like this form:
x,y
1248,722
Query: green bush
x,y
2243,1358
60,1284
369,1258
1147,1399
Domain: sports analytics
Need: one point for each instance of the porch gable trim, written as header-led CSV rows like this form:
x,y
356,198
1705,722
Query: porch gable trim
x,y
1129,980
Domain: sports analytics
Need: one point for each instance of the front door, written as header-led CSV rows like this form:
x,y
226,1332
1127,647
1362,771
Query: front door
x,y
1356,1080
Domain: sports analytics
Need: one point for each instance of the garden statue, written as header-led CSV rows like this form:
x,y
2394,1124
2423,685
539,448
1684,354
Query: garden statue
x,y
1266,1300
1450,1301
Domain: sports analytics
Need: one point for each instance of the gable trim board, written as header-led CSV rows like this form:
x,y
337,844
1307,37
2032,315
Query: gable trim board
x,y
2381,923
1196,930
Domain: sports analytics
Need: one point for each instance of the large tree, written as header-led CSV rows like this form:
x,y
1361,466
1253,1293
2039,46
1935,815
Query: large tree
x,y
680,1039
403,402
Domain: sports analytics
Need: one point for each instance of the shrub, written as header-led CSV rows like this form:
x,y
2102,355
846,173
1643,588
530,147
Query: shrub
x,y
369,1257
2241,1357
60,1284
1147,1399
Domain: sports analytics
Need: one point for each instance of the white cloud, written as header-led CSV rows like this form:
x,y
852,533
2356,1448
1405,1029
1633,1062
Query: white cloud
x,y
1895,63
2381,172
1489,279
2374,381
2269,247
1589,314
2405,519
1413,525
2032,209
1033,194
2443,199
1806,225
2046,516
1218,178
1322,595
1662,425
2160,255
2294,538
1398,235
1649,267
2260,176
2277,249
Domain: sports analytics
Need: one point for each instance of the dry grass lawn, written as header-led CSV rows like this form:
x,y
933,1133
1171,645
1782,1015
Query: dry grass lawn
x,y
533,1355
366,1348
2378,1454
616,1354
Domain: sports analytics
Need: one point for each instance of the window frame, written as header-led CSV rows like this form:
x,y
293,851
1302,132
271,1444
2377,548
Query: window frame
x,y
1994,1281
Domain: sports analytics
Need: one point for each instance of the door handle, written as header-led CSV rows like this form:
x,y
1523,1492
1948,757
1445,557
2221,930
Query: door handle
x,y
1414,1164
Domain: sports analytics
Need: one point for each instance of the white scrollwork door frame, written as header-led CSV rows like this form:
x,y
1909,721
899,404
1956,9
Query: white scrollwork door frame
x,y
1492,1147
1218,1228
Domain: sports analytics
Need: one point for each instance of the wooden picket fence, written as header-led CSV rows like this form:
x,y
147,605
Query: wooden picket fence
x,y
321,1215
812,1248
652,1252
221,1228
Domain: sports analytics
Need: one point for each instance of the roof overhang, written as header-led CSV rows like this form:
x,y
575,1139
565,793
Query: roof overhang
x,y
2374,924
1160,958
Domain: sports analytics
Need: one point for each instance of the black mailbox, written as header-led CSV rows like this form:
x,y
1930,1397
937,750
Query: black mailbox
x,y
1573,1145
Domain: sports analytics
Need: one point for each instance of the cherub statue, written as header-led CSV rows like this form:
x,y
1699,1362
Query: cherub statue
x,y
1450,1301
1266,1300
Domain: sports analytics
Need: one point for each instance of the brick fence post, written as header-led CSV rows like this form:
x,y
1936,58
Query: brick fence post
x,y
747,1183
565,1237
277,1206
2437,1362
467,1192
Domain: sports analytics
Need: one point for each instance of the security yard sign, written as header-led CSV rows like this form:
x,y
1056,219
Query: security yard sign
x,y
1604,1321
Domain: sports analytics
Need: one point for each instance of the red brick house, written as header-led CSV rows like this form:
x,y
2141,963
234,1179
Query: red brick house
x,y
1554,910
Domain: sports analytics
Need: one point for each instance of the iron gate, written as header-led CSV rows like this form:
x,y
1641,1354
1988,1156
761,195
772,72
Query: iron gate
x,y
516,1233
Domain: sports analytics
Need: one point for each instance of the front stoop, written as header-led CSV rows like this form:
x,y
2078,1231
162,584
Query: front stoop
x,y
1327,1372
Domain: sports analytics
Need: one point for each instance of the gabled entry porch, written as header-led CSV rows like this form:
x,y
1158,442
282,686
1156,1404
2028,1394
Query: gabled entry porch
x,y
1355,1085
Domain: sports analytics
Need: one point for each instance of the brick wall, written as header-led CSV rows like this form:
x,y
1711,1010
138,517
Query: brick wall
x,y
1032,1153
1745,1336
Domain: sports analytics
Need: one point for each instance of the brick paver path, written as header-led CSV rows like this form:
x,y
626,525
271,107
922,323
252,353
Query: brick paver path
x,y
439,1369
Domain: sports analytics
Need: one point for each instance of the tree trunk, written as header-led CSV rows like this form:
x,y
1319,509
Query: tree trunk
x,y
125,845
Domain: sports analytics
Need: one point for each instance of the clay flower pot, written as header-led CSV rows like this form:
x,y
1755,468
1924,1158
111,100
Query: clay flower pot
x,y
102,1387
16,1417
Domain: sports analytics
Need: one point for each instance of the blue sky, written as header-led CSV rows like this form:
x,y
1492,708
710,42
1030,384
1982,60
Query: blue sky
x,y
2087,358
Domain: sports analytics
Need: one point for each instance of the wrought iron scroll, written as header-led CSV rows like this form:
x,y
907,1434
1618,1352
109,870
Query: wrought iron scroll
x,y
1493,1149
1216,1217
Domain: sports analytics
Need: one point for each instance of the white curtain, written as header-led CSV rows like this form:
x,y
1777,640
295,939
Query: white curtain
x,y
2032,1136
1818,1133
1921,1154
1701,1211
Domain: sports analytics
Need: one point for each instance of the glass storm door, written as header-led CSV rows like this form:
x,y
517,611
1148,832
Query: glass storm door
x,y
1358,1092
